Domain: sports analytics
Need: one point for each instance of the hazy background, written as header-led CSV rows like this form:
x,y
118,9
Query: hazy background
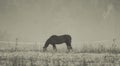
x,y
36,20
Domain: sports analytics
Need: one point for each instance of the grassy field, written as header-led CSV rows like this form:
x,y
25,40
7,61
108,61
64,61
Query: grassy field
x,y
94,54
33,58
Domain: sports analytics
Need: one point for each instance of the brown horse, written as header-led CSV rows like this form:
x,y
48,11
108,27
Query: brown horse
x,y
54,39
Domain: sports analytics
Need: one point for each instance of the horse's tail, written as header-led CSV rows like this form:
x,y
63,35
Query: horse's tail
x,y
68,38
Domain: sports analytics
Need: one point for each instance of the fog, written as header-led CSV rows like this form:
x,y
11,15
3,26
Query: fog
x,y
36,20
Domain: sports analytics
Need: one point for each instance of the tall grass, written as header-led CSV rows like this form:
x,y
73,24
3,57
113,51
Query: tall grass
x,y
113,47
58,59
99,47
87,55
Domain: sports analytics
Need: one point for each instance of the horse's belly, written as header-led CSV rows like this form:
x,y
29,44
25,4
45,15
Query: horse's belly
x,y
57,41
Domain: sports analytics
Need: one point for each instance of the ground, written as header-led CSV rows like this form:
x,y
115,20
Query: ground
x,y
32,58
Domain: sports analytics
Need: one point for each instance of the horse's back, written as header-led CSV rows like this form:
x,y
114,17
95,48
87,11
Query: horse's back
x,y
67,36
61,36
59,39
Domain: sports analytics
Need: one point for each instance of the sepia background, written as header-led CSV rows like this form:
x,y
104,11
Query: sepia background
x,y
94,26
36,20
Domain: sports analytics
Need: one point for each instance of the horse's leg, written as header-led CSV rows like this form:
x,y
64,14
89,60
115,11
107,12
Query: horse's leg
x,y
54,47
45,46
69,47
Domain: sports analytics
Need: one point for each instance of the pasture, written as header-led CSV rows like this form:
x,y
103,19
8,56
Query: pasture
x,y
87,55
58,59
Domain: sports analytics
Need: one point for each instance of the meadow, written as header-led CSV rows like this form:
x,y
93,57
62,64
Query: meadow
x,y
87,55
58,59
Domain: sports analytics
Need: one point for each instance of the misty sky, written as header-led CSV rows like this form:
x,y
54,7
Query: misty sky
x,y
84,20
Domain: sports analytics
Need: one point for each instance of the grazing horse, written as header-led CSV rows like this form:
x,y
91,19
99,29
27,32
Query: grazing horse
x,y
54,39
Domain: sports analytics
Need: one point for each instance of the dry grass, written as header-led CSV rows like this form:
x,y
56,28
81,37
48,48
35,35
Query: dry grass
x,y
87,55
58,59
